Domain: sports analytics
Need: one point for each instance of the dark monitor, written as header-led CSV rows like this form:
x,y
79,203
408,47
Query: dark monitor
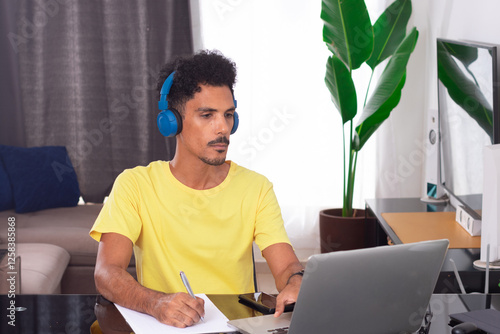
x,y
468,96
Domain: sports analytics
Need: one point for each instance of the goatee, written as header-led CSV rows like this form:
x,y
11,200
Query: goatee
x,y
213,162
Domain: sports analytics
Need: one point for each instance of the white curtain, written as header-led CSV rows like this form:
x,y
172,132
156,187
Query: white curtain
x,y
289,129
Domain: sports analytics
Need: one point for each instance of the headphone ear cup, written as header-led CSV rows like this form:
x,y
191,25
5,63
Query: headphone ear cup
x,y
235,123
169,123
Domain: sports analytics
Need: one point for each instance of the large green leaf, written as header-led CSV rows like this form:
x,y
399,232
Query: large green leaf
x,y
365,129
464,53
339,82
347,30
463,90
387,93
389,31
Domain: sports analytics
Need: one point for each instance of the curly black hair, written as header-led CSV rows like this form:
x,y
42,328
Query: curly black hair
x,y
203,68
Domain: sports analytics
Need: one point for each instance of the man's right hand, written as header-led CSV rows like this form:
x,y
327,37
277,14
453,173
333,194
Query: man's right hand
x,y
115,284
179,309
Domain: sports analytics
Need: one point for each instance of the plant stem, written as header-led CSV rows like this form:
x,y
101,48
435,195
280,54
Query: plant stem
x,y
347,209
344,188
352,176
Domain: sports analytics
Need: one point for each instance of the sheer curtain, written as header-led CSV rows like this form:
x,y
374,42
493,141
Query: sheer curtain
x,y
289,129
87,74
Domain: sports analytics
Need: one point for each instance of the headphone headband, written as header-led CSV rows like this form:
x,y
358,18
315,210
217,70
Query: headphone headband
x,y
165,89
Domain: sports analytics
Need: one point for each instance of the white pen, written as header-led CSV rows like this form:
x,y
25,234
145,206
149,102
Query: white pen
x,y
188,287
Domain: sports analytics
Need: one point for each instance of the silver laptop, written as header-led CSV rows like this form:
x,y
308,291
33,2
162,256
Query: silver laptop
x,y
374,290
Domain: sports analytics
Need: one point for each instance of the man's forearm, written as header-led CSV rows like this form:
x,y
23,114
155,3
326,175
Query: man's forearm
x,y
175,309
118,286
283,263
286,276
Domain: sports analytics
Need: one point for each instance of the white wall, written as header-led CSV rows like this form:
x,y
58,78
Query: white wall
x,y
402,163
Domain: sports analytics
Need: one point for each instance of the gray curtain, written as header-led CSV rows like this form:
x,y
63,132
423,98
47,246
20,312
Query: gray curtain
x,y
11,117
87,72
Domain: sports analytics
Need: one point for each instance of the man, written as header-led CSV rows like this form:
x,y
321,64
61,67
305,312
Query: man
x,y
197,213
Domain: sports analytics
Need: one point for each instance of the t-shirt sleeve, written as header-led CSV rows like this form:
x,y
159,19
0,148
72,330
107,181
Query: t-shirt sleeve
x,y
269,225
120,213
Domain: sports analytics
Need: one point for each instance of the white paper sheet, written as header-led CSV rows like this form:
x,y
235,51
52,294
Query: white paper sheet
x,y
215,321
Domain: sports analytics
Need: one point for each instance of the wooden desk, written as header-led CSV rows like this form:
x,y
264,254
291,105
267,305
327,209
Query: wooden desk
x,y
472,278
421,226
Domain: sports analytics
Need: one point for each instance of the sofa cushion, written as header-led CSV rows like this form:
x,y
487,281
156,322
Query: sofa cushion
x,y
42,267
65,227
6,197
41,177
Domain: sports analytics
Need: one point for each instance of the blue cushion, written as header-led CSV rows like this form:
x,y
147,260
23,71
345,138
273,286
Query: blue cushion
x,y
41,177
6,197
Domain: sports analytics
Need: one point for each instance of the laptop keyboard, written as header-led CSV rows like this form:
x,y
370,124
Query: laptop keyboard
x,y
282,330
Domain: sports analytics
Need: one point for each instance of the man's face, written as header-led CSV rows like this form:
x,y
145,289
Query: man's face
x,y
207,123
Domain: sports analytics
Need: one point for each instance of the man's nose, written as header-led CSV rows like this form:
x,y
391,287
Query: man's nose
x,y
221,124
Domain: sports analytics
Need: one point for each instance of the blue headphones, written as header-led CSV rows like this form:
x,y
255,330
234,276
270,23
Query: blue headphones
x,y
169,121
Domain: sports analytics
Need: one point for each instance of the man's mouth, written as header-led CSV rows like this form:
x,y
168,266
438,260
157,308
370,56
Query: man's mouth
x,y
220,148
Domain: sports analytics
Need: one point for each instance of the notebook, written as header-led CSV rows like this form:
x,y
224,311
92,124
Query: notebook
x,y
374,290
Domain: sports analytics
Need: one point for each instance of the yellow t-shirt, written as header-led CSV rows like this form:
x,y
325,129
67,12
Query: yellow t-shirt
x,y
208,234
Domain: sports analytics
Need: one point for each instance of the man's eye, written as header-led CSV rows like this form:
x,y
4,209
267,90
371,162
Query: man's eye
x,y
206,115
229,115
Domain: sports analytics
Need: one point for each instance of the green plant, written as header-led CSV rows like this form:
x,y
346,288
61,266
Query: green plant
x,y
353,41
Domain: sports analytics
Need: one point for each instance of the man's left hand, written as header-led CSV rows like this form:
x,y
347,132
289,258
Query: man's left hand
x,y
288,295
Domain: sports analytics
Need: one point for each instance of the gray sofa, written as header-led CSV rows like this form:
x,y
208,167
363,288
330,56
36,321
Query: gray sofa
x,y
56,253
